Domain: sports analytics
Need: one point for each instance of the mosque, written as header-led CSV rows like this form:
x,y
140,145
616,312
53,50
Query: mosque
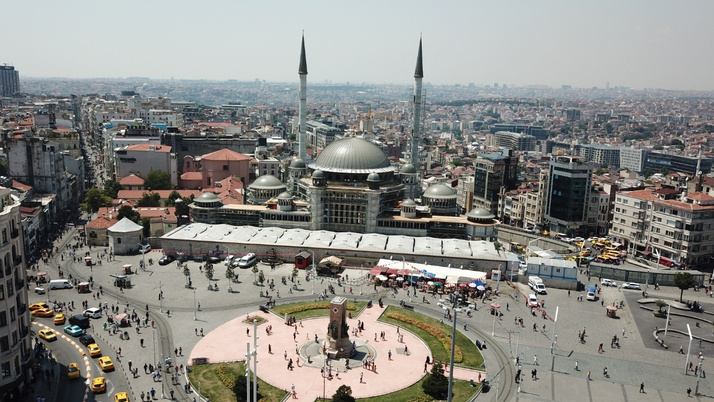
x,y
351,186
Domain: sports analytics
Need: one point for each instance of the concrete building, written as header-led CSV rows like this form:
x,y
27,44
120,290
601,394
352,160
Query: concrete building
x,y
569,186
603,155
9,81
125,237
633,159
221,164
97,231
141,159
494,173
659,162
15,337
515,141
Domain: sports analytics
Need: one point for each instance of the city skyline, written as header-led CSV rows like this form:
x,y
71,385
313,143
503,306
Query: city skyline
x,y
634,44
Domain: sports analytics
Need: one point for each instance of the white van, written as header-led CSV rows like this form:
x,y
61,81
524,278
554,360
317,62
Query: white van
x,y
536,284
59,284
247,260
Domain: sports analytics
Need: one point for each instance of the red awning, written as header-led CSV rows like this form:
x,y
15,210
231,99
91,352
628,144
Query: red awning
x,y
375,271
391,271
646,252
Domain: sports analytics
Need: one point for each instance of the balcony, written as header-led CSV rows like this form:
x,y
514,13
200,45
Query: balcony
x,y
14,233
17,261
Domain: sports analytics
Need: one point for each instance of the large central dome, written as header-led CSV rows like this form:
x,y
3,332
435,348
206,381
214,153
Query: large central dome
x,y
352,155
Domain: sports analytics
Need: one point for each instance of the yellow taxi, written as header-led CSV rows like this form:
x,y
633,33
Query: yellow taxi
x,y
585,253
121,397
99,385
94,350
105,362
59,319
72,371
38,306
48,335
43,312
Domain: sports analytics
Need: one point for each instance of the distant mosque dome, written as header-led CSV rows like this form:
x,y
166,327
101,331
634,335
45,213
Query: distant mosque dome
x,y
374,177
207,200
318,174
439,190
408,169
285,195
267,182
298,163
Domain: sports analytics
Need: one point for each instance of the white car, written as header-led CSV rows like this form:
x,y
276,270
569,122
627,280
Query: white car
x,y
631,285
93,312
607,282
532,301
228,260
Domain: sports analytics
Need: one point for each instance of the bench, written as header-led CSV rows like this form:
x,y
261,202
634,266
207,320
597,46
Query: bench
x,y
408,306
199,360
263,309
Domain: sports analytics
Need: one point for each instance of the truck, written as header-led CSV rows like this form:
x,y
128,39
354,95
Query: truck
x,y
536,284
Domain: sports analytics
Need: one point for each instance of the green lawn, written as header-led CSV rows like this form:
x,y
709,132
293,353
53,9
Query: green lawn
x,y
472,356
462,392
206,378
305,310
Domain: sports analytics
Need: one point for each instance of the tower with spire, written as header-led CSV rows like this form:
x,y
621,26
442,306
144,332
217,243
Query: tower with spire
x,y
302,108
416,125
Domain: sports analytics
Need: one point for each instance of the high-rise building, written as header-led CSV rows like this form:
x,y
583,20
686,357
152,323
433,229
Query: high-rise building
x,y
9,81
492,173
15,335
658,162
515,141
569,184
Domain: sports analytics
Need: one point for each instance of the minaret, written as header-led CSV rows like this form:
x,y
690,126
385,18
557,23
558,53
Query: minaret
x,y
302,108
418,75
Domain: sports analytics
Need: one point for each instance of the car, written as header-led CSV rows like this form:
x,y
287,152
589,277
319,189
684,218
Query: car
x,y
121,397
59,319
99,384
608,282
146,247
38,306
93,312
94,350
248,260
47,334
73,330
532,300
631,285
522,265
229,259
166,259
578,239
43,312
72,371
105,362
86,340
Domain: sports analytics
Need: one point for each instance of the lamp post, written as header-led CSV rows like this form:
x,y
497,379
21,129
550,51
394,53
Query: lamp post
x,y
255,359
453,346
555,339
161,299
495,313
689,348
314,277
699,376
195,305
247,371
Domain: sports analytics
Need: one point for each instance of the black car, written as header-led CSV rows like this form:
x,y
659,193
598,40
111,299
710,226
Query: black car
x,y
86,340
166,259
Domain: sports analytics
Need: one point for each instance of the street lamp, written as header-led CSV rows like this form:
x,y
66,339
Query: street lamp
x,y
195,306
161,299
314,277
555,339
699,376
255,359
143,253
453,346
247,371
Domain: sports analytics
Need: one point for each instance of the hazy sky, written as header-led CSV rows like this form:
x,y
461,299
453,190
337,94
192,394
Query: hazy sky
x,y
639,44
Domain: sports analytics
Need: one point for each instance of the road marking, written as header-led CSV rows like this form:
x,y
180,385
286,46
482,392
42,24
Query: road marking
x,y
87,368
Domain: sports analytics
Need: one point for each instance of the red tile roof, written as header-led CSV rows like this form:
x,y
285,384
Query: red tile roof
x,y
131,180
149,147
225,154
192,176
20,186
137,194
102,223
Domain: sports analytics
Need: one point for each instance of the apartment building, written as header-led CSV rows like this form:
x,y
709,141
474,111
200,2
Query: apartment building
x,y
492,172
568,195
674,230
15,336
633,159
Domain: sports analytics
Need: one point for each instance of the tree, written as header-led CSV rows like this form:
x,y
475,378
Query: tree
x,y
149,200
111,188
436,384
146,224
684,281
343,394
158,180
661,305
3,168
229,276
208,270
126,211
255,272
171,199
95,199
261,277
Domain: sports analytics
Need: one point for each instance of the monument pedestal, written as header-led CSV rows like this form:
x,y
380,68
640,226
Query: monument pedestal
x,y
338,338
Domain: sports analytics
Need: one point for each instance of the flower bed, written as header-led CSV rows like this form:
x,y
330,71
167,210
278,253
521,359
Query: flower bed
x,y
227,377
436,332
313,306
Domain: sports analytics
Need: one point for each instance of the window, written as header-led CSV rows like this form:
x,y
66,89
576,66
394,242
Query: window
x,y
4,344
3,318
6,370
10,288
12,314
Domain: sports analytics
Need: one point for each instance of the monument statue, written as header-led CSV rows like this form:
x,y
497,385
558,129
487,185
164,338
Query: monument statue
x,y
338,331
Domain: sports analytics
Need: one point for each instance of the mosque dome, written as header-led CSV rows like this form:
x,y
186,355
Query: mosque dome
x,y
207,200
318,174
352,155
440,191
408,169
267,182
409,203
298,163
480,213
374,177
285,195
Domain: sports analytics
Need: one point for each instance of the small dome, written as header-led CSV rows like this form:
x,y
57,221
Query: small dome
x,y
285,195
298,163
480,213
408,169
267,182
207,197
318,174
374,177
409,203
440,191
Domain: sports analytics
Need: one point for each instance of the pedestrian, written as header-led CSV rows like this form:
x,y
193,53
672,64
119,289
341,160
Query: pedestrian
x,y
180,351
175,351
146,366
577,368
270,350
361,375
292,389
642,388
389,354
604,373
689,392
535,360
285,355
681,349
196,331
588,375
